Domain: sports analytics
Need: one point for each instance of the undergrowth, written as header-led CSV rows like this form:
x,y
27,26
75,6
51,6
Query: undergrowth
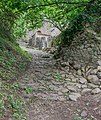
x,y
12,105
13,61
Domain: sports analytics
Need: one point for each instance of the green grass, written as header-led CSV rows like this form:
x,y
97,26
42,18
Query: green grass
x,y
13,61
11,100
28,89
58,76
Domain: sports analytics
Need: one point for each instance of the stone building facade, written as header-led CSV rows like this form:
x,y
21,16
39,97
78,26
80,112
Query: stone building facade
x,y
40,40
42,37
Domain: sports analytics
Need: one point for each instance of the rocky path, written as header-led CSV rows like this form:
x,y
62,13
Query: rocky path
x,y
52,93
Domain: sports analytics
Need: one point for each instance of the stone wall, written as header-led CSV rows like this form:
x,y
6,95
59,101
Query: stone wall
x,y
86,48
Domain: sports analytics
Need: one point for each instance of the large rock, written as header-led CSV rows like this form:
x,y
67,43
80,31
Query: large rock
x,y
96,91
90,85
99,62
99,68
65,90
85,90
93,79
83,81
84,86
79,72
99,75
52,50
94,72
78,85
57,82
77,66
60,93
84,113
64,64
75,80
74,96
72,88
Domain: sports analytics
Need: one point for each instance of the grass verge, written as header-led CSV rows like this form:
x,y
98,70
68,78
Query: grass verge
x,y
13,61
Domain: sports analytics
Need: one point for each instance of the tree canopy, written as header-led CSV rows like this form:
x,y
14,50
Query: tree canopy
x,y
17,16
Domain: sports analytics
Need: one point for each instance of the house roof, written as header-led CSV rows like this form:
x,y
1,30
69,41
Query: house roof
x,y
39,32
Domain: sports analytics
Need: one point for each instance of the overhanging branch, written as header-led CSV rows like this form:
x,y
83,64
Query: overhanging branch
x,y
55,3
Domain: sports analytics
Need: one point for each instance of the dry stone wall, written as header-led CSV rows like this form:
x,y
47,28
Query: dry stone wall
x,y
83,58
86,48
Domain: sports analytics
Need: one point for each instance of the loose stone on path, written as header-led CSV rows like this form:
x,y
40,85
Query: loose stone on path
x,y
74,96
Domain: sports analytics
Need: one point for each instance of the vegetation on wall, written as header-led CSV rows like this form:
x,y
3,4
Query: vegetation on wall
x,y
88,16
13,61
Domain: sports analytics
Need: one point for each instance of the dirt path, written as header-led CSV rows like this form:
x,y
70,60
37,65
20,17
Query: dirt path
x,y
47,94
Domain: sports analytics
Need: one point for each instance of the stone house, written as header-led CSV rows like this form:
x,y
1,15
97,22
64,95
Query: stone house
x,y
42,37
40,40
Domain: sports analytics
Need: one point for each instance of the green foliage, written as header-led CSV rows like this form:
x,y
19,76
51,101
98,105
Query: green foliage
x,y
28,89
74,26
29,14
11,101
58,76
23,15
87,15
12,60
78,118
2,107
